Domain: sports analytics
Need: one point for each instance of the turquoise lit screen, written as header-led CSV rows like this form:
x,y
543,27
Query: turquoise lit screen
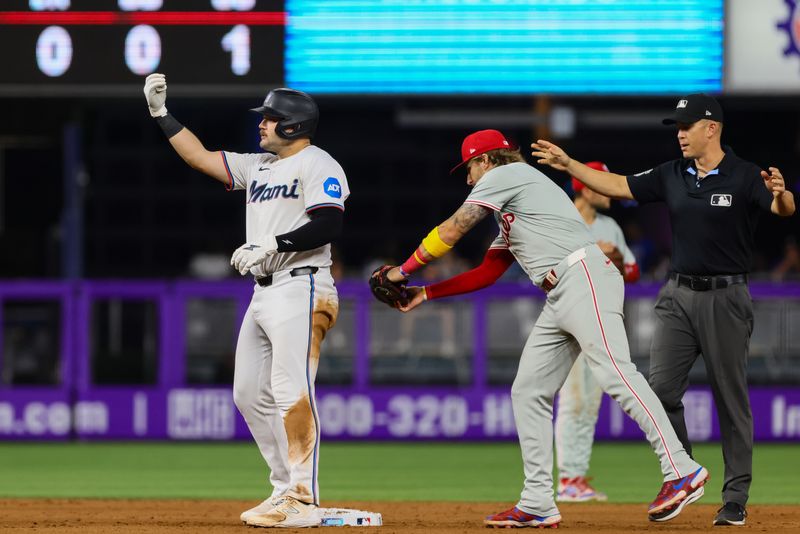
x,y
504,46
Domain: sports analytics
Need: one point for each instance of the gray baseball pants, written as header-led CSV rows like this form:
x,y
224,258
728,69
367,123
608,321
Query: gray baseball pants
x,y
717,323
583,312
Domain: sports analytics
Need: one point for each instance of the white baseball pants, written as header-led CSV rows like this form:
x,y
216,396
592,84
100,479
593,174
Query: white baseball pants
x,y
578,407
276,364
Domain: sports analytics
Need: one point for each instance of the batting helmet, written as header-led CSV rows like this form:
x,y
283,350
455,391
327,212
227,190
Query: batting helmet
x,y
295,110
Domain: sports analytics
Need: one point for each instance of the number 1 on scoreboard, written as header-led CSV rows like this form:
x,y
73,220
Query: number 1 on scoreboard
x,y
237,42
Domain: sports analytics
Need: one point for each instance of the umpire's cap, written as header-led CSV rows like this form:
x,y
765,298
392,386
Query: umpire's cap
x,y
692,108
295,110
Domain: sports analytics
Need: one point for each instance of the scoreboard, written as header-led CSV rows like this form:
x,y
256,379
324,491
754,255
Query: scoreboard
x,y
375,47
107,47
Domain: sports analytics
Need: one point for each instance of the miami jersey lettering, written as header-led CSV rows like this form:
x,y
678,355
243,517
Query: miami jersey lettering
x,y
262,192
280,195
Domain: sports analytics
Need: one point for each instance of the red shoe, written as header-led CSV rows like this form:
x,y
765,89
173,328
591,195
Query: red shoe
x,y
578,489
675,494
514,517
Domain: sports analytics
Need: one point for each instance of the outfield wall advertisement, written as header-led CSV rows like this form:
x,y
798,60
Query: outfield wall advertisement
x,y
80,406
345,414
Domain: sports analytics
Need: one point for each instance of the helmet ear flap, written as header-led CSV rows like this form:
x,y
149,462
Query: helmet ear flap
x,y
305,128
281,128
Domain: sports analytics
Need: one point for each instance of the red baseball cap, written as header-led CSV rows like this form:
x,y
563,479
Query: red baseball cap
x,y
479,143
598,165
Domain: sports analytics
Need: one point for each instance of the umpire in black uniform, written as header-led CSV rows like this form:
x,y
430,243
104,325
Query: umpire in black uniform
x,y
714,199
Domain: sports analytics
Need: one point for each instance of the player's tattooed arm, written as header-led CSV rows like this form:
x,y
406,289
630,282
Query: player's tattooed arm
x,y
440,240
462,221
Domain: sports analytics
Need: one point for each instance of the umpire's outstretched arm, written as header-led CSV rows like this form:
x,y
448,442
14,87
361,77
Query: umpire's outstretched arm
x,y
606,183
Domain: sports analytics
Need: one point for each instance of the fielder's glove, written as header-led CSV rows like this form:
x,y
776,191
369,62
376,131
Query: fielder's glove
x,y
251,254
392,294
155,91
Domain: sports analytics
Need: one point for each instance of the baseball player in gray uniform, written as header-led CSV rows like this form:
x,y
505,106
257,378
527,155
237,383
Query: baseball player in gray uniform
x,y
541,229
580,396
295,203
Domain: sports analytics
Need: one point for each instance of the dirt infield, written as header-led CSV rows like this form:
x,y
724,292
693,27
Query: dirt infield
x,y
144,516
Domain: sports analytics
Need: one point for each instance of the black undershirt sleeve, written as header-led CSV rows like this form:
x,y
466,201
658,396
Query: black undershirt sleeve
x,y
325,226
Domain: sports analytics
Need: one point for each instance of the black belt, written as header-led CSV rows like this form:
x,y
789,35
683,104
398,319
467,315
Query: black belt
x,y
266,281
705,283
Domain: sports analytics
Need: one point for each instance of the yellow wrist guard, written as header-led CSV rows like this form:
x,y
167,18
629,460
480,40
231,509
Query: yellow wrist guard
x,y
434,244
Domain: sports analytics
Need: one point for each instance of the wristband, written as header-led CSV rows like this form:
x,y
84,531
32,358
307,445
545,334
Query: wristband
x,y
169,125
413,263
434,244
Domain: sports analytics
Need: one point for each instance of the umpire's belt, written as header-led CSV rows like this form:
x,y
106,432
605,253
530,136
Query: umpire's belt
x,y
705,283
265,281
551,278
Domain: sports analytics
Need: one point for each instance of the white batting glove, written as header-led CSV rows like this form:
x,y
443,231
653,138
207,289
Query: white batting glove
x,y
251,254
155,91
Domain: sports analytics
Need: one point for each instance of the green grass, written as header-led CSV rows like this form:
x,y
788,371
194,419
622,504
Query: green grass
x,y
628,472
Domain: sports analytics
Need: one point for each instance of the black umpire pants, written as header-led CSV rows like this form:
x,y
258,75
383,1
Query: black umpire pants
x,y
717,324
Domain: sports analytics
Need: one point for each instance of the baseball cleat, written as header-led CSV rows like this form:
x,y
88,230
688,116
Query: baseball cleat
x,y
676,494
578,489
264,507
287,513
514,517
731,514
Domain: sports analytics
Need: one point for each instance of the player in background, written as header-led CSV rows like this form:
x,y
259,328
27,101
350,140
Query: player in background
x,y
542,230
295,194
580,396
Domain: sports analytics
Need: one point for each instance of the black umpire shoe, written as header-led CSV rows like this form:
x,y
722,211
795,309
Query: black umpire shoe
x,y
731,514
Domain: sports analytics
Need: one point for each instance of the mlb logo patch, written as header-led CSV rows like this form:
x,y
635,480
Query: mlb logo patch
x,y
721,200
332,187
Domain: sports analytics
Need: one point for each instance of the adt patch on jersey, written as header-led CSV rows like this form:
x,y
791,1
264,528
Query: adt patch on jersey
x,y
332,187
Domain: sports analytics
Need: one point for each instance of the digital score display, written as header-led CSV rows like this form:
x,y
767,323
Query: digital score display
x,y
107,47
347,47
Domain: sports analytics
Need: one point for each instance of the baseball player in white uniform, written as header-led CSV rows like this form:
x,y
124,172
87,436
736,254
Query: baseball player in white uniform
x,y
580,396
541,229
295,194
